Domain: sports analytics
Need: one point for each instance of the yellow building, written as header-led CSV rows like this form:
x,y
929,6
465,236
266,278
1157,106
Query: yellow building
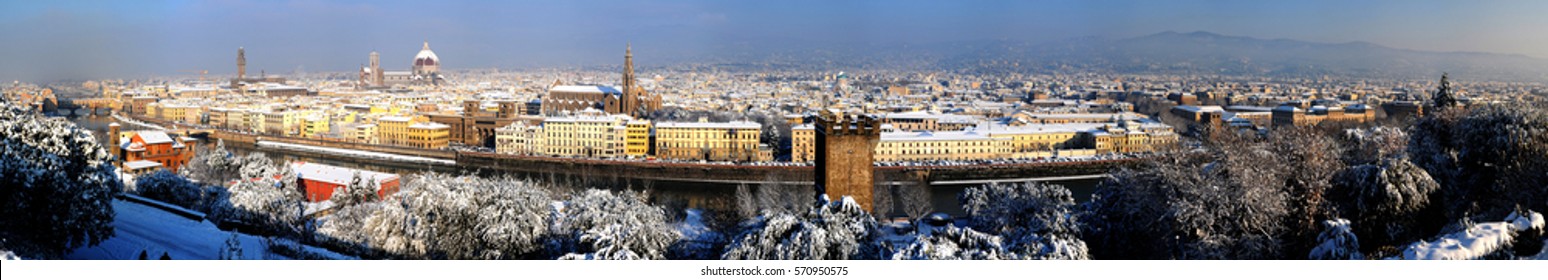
x,y
637,138
1007,142
1041,140
944,145
314,125
519,138
802,137
713,141
284,122
363,133
589,135
416,131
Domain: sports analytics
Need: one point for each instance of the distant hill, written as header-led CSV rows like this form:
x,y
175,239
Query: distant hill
x,y
1210,53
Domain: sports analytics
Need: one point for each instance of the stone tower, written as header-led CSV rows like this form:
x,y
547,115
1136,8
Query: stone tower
x,y
628,101
241,63
845,150
113,141
376,69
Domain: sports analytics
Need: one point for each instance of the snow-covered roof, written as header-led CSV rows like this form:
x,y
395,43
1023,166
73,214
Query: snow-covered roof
x,y
587,89
728,125
336,175
155,137
395,119
427,53
1039,128
141,164
429,125
935,136
911,115
1200,109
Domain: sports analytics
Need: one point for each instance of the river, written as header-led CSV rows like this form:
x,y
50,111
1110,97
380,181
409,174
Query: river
x,y
671,194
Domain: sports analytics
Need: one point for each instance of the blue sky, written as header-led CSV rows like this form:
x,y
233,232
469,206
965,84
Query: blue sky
x,y
47,40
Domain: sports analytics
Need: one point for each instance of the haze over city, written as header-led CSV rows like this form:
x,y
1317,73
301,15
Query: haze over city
x,y
49,40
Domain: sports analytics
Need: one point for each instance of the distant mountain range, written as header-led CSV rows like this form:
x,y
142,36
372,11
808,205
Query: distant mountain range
x,y
1182,53
1210,53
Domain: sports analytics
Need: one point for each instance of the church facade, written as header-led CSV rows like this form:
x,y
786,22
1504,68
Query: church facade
x,y
627,99
426,71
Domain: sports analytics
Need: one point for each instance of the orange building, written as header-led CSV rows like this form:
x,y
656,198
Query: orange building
x,y
148,150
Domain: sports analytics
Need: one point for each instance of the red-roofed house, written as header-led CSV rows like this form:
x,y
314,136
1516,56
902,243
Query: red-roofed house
x,y
318,181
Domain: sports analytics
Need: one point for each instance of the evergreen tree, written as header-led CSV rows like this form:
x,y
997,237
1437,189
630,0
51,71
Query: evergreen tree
x,y
56,185
1443,98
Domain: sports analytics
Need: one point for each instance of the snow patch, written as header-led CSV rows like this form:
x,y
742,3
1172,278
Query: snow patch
x,y
1475,242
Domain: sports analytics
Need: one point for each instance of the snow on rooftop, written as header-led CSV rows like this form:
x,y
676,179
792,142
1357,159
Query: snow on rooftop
x,y
1197,109
155,137
589,89
335,174
429,125
395,119
729,125
966,135
141,164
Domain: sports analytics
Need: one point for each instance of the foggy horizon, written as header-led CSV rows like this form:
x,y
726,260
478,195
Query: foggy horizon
x,y
92,40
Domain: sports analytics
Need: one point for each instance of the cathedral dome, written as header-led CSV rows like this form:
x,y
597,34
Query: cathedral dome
x,y
426,57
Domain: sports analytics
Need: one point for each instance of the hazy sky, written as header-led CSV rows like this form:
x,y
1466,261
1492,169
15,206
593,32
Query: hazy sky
x,y
50,40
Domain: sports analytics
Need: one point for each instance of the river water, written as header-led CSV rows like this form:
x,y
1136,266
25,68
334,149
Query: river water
x,y
670,194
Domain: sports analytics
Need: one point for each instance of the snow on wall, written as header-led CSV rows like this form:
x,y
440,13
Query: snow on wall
x,y
354,153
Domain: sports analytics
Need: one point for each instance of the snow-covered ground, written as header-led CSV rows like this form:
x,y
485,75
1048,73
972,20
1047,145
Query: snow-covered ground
x,y
1475,242
139,227
354,153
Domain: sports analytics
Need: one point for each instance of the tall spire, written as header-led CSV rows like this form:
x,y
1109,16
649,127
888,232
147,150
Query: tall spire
x,y
628,101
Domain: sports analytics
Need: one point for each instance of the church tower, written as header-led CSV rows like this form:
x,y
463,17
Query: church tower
x,y
241,63
628,99
376,69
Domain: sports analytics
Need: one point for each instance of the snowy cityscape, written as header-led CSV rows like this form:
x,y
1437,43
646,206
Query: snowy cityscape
x,y
723,131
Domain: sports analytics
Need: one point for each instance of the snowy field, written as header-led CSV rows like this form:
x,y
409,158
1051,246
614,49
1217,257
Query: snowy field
x,y
354,153
140,227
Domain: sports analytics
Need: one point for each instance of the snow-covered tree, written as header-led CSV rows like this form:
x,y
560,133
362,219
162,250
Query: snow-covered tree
x,y
603,225
831,231
267,203
439,216
1385,201
1488,160
1370,145
955,243
358,191
232,249
1190,207
170,188
257,165
212,166
56,185
1336,242
1035,219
